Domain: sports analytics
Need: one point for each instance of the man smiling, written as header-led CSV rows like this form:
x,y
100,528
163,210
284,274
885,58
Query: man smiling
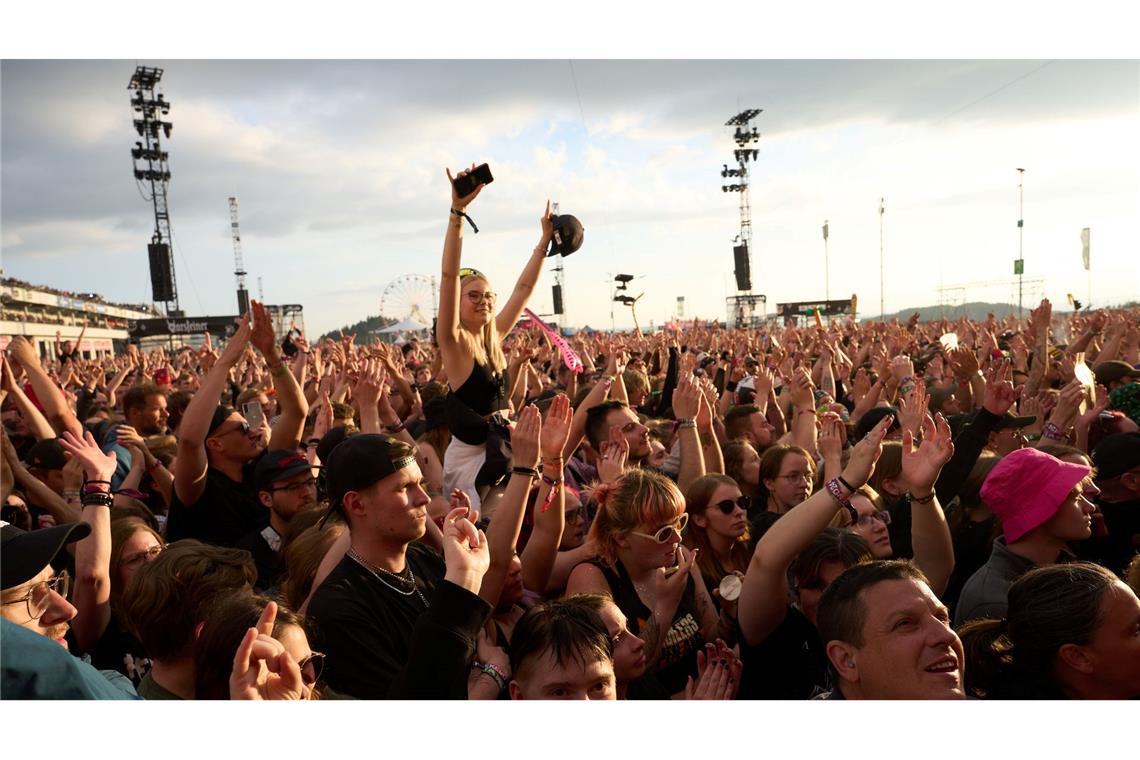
x,y
888,637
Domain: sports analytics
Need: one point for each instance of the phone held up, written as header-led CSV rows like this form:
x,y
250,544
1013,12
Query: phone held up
x,y
465,185
253,414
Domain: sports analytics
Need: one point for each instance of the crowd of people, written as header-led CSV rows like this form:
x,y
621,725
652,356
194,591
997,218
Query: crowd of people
x,y
849,510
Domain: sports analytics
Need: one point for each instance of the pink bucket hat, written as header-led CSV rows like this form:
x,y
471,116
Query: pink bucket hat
x,y
1027,487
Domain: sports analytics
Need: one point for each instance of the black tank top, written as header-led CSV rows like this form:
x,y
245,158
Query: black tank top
x,y
483,393
678,658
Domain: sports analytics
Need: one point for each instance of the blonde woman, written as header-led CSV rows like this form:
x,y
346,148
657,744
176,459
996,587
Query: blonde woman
x,y
470,332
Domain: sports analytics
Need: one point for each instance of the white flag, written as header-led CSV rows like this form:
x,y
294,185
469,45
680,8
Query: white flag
x,y
1085,247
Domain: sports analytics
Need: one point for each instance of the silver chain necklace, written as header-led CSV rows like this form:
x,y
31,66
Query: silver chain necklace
x,y
376,574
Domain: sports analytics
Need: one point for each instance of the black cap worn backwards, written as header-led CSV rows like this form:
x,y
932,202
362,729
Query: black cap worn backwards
x,y
359,461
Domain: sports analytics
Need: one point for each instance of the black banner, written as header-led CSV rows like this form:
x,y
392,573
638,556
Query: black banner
x,y
807,308
220,327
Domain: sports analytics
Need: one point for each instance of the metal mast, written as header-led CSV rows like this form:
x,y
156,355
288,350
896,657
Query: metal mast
x,y
239,264
744,303
1019,265
150,167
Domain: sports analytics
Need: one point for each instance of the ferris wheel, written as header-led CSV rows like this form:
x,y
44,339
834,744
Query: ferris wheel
x,y
410,296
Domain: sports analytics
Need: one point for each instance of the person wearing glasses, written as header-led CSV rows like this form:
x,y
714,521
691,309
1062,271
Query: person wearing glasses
x,y
470,331
214,499
230,618
650,576
719,528
34,594
36,616
105,564
286,487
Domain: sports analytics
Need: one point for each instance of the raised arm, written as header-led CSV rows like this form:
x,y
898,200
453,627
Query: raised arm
x,y
290,425
686,405
33,418
550,508
190,467
930,535
447,324
503,532
512,309
763,600
92,554
56,409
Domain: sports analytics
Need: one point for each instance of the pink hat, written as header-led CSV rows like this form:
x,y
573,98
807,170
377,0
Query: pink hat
x,y
1027,487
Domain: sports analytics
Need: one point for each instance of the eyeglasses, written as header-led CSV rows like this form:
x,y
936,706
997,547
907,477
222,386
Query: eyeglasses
x,y
311,668
132,560
301,487
728,506
474,296
664,534
793,477
866,521
39,597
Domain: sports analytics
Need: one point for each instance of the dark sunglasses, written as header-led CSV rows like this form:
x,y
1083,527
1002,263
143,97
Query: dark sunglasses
x,y
728,506
311,668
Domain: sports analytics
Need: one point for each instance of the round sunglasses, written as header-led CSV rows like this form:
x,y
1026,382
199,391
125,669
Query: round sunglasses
x,y
728,506
664,534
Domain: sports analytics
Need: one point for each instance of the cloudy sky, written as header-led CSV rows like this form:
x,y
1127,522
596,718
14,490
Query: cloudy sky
x,y
339,171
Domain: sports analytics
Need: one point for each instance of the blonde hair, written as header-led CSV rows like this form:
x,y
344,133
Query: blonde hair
x,y
639,498
487,348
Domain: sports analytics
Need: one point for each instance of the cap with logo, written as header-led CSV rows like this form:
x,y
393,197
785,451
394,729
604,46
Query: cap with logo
x,y
278,465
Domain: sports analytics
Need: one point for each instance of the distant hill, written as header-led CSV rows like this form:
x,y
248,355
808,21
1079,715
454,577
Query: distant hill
x,y
362,330
977,310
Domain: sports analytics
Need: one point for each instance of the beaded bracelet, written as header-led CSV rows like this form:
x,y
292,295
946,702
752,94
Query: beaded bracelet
x,y
97,499
686,423
494,671
836,492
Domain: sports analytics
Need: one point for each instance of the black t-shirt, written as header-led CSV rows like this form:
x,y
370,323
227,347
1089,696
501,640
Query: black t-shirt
x,y
269,562
225,512
118,650
678,658
789,664
760,523
380,643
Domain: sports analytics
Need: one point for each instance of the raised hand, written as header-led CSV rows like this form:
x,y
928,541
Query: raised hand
x,y
262,336
912,408
670,587
525,438
802,392
614,454
263,669
556,427
865,453
686,397
1098,406
921,465
963,362
96,464
1000,394
831,437
462,203
1068,405
465,551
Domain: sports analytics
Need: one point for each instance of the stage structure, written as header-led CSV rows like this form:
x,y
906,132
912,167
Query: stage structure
x,y
742,306
239,263
153,175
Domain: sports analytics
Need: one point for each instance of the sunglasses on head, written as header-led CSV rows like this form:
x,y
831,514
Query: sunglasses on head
x,y
728,506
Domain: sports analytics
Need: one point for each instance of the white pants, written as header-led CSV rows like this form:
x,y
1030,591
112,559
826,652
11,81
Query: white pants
x,y
461,465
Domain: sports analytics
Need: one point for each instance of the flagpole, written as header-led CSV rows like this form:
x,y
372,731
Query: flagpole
x,y
882,301
1020,235
826,266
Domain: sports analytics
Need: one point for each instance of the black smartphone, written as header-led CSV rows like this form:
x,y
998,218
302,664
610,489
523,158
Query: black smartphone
x,y
465,185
